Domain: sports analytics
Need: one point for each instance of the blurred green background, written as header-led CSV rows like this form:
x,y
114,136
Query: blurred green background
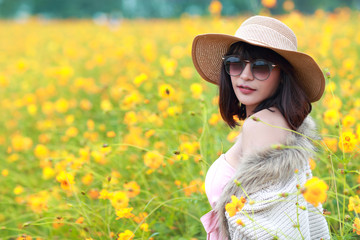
x,y
154,8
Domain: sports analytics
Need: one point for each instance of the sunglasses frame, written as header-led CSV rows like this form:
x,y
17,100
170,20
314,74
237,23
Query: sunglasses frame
x,y
270,65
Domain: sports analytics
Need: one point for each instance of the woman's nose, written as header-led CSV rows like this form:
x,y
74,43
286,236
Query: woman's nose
x,y
247,74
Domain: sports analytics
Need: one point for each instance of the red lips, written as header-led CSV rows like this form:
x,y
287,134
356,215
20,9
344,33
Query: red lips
x,y
246,89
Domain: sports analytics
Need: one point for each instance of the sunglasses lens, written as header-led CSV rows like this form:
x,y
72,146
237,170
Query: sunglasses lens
x,y
261,69
234,66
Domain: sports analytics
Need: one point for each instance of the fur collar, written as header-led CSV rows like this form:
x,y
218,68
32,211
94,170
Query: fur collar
x,y
274,165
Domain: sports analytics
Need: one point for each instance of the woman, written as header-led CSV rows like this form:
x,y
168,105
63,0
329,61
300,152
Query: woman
x,y
266,82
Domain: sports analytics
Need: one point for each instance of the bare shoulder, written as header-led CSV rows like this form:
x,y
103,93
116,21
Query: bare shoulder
x,y
259,135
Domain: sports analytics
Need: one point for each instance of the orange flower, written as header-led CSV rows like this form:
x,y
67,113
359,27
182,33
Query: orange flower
x,y
315,191
354,204
240,222
80,220
268,3
356,226
141,217
133,189
38,201
24,237
111,134
235,206
215,7
331,143
87,179
312,164
58,223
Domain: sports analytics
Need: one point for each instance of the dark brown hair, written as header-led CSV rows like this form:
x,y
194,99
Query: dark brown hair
x,y
289,98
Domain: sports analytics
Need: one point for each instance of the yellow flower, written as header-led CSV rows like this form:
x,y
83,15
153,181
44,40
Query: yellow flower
x,y
174,110
127,235
235,206
196,90
139,79
189,147
315,191
5,172
348,121
331,116
32,109
354,204
41,151
130,118
144,227
106,105
48,172
72,132
347,142
66,180
18,190
153,159
104,194
356,226
119,200
124,213
232,136
99,157
62,105
169,66
166,91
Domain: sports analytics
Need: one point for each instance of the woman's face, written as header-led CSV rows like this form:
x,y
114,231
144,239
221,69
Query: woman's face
x,y
250,91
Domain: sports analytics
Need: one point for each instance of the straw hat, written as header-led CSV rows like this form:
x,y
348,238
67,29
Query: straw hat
x,y
267,32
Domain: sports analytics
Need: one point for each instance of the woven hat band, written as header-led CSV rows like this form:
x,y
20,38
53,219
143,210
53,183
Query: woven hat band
x,y
265,36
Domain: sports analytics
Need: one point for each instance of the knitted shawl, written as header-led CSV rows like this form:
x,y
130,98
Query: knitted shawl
x,y
269,181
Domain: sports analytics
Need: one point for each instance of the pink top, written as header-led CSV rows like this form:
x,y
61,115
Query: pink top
x,y
217,176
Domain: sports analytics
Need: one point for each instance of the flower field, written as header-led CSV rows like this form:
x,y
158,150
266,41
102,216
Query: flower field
x,y
108,131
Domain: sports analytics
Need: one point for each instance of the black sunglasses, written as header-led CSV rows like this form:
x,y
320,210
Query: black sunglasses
x,y
260,68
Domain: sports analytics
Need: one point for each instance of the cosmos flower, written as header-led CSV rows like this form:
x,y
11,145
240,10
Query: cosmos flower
x,y
235,205
315,191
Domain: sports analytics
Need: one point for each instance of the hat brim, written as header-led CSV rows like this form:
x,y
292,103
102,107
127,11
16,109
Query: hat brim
x,y
208,50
